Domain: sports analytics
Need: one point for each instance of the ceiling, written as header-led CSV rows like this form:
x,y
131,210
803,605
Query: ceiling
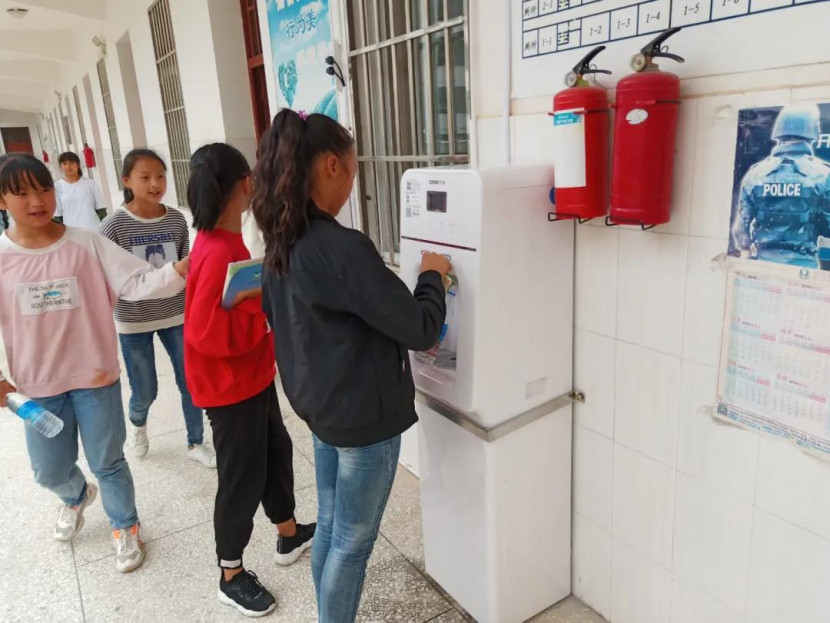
x,y
37,49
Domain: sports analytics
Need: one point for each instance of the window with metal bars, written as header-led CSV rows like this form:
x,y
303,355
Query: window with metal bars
x,y
172,101
53,133
109,114
81,128
417,115
64,122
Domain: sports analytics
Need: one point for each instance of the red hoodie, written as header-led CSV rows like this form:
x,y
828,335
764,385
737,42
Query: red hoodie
x,y
228,355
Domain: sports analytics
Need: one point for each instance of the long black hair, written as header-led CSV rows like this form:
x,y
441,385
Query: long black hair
x,y
215,170
71,156
21,171
282,178
130,161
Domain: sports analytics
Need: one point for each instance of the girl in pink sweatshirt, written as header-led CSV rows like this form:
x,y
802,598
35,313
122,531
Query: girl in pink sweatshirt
x,y
59,287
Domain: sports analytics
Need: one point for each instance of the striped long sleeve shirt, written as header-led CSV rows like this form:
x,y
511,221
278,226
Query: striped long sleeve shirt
x,y
157,241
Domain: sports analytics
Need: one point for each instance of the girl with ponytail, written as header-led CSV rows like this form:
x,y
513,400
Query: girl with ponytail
x,y
342,324
230,369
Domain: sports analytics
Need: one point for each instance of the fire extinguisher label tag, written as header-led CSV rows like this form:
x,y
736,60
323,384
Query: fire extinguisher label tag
x,y
569,148
566,118
636,116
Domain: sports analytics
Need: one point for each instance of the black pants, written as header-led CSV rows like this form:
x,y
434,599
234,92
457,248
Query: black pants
x,y
254,460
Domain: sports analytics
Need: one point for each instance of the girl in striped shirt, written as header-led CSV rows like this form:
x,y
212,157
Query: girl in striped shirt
x,y
157,234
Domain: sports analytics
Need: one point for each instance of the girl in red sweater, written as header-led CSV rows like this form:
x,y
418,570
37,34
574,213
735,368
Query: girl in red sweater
x,y
230,370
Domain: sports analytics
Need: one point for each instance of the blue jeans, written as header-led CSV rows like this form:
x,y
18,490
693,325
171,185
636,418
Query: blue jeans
x,y
98,415
353,486
140,359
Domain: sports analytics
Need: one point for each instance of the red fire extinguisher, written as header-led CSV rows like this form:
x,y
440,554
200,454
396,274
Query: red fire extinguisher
x,y
45,157
644,134
89,156
580,120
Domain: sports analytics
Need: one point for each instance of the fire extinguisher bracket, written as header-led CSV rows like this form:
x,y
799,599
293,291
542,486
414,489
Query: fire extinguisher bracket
x,y
553,217
614,222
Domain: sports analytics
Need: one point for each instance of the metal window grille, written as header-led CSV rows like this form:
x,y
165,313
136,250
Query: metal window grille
x,y
69,124
81,127
64,122
53,133
109,114
58,130
40,137
410,76
164,46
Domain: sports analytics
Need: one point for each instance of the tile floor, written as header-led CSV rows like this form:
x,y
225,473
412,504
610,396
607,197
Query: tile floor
x,y
44,580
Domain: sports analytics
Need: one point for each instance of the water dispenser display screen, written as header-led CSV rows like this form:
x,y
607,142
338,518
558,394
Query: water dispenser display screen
x,y
436,201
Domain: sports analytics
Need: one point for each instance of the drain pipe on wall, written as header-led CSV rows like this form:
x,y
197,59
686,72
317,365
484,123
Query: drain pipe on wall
x,y
508,84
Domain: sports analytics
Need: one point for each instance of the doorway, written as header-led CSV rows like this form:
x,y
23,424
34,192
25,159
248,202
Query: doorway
x,y
256,67
17,140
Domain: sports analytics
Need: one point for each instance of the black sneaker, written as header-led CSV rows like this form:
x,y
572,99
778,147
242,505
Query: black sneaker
x,y
290,548
246,594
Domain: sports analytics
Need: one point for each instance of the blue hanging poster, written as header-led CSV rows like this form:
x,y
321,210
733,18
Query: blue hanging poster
x,y
301,39
781,186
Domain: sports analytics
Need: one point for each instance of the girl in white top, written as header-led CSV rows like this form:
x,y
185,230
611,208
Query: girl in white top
x,y
80,202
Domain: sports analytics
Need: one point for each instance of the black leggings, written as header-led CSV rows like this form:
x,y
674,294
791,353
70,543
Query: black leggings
x,y
254,460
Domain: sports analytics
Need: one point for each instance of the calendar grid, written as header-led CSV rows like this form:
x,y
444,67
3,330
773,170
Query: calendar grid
x,y
542,37
775,368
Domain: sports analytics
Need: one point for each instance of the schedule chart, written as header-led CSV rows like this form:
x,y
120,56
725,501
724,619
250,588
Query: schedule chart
x,y
775,361
550,26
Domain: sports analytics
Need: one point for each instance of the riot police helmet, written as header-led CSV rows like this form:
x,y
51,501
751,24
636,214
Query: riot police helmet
x,y
797,121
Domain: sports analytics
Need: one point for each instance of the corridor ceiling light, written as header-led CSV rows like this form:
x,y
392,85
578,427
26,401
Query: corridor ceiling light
x,y
18,12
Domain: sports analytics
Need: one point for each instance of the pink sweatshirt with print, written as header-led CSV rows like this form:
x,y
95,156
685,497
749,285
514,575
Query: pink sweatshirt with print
x,y
56,307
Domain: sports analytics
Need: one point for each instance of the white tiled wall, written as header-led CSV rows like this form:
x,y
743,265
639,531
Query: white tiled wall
x,y
679,518
650,290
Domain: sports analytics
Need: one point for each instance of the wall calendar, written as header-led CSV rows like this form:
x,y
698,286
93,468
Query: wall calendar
x,y
775,356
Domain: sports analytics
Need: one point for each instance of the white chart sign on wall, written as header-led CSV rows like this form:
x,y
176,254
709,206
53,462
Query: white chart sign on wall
x,y
718,37
775,356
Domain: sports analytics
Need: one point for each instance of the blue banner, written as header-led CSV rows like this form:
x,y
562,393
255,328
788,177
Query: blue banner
x,y
301,39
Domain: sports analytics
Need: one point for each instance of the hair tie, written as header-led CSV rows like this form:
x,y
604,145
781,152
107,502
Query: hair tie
x,y
302,115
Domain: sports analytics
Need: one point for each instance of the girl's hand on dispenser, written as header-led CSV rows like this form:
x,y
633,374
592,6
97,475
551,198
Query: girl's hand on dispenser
x,y
437,262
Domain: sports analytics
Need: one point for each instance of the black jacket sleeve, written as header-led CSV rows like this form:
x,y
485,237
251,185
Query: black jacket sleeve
x,y
382,300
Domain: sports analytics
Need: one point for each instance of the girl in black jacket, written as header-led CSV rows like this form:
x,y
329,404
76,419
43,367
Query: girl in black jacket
x,y
342,323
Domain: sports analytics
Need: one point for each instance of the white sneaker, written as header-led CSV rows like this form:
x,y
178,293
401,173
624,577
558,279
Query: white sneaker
x,y
137,440
129,548
204,454
71,518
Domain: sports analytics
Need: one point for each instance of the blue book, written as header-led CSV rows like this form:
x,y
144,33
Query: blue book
x,y
242,276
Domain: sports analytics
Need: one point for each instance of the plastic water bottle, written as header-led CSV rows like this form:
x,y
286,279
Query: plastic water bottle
x,y
45,422
452,303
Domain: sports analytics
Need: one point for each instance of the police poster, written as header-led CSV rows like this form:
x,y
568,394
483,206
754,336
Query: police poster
x,y
301,39
781,189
